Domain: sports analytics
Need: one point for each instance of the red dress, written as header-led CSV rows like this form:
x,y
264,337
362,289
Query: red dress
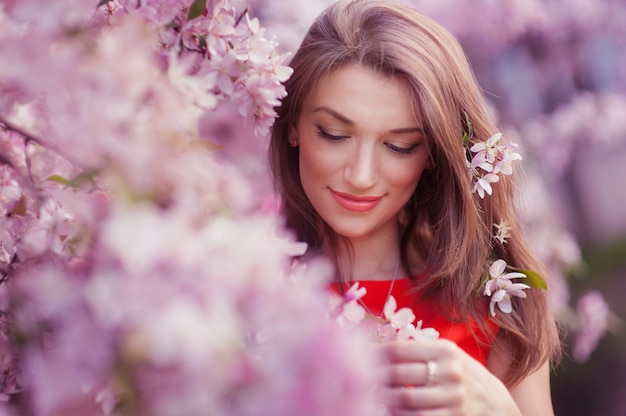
x,y
475,343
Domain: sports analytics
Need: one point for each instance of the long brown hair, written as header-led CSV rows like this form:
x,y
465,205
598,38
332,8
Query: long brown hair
x,y
451,228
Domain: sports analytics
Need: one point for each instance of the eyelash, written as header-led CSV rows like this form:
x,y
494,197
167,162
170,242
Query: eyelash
x,y
402,150
393,148
324,135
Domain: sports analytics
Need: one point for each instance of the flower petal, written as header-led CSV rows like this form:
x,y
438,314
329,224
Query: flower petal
x,y
497,268
402,318
492,305
505,305
513,275
390,308
499,295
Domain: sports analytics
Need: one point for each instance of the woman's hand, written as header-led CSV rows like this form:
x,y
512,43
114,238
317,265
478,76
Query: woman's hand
x,y
436,377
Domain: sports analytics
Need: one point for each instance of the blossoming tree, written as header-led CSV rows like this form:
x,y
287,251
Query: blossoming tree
x,y
140,273
143,267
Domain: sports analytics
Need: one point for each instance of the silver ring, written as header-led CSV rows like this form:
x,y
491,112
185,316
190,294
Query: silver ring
x,y
431,373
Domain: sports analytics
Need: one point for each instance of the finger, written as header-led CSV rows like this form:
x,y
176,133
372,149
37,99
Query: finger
x,y
408,374
419,350
415,398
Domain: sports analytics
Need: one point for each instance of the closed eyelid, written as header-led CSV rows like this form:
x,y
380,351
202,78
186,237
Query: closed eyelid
x,y
329,134
345,120
403,149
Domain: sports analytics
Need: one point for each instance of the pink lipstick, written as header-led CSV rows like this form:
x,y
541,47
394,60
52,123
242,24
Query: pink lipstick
x,y
355,203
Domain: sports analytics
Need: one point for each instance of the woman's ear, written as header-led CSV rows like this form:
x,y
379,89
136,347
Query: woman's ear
x,y
293,136
430,163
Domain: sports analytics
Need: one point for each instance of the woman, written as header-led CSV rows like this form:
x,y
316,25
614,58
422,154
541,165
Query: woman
x,y
370,152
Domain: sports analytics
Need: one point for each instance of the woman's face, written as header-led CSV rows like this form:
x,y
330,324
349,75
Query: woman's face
x,y
362,150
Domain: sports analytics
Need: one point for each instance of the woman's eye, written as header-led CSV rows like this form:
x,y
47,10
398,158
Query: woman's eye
x,y
402,150
322,133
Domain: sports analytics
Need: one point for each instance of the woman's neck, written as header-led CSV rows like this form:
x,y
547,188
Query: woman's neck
x,y
375,269
370,259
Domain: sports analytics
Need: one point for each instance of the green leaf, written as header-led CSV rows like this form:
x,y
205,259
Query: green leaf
x,y
75,183
60,179
87,176
533,279
206,144
196,9
102,3
469,125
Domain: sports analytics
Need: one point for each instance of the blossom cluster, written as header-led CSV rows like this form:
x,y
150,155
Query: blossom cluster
x,y
394,324
588,118
486,160
170,316
140,273
225,51
490,158
500,287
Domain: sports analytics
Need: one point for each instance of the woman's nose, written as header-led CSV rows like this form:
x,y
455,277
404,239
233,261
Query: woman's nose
x,y
361,170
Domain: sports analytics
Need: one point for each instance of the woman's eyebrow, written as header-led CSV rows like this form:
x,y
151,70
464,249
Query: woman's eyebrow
x,y
346,120
335,114
407,130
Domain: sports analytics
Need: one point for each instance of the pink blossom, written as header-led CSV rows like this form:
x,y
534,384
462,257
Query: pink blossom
x,y
500,287
483,184
163,12
485,152
493,158
411,331
347,307
398,319
10,190
502,231
199,88
593,315
506,157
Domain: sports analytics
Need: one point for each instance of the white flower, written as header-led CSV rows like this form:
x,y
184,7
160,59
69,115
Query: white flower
x,y
347,308
486,152
488,148
482,185
292,248
507,156
353,312
411,331
397,319
500,287
354,293
502,232
490,158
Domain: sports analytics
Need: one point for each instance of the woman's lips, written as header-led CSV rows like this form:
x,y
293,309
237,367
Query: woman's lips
x,y
355,203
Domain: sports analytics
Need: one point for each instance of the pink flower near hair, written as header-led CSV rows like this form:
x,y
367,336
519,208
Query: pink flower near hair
x,y
502,232
500,287
491,157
